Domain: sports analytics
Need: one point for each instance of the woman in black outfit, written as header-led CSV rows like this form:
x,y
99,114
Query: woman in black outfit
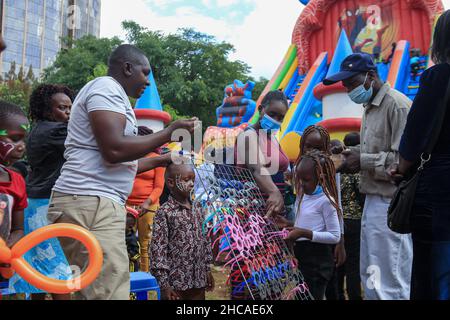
x,y
430,219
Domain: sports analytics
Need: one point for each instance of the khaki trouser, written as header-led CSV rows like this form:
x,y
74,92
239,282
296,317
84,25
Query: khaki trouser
x,y
145,232
105,219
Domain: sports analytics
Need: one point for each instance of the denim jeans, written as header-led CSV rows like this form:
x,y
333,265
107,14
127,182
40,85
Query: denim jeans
x,y
430,223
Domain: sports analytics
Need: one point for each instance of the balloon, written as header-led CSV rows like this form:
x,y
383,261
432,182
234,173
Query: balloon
x,y
14,257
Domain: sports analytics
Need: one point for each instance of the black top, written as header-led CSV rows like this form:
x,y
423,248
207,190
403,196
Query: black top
x,y
45,150
422,117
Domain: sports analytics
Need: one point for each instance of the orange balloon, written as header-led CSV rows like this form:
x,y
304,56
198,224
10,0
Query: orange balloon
x,y
45,283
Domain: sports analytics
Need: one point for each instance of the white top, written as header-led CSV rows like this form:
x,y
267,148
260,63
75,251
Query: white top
x,y
86,172
318,215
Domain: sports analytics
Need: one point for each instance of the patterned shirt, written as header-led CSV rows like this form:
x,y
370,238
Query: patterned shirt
x,y
180,254
351,198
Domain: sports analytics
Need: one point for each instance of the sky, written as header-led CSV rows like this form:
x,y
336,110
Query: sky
x,y
260,30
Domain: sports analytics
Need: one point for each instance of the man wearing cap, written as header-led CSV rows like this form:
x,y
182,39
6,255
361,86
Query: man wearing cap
x,y
386,257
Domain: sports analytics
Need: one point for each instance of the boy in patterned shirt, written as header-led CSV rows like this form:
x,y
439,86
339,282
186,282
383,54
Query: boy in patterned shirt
x,y
180,254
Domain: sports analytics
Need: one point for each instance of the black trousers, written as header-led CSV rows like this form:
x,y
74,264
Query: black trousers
x,y
350,269
316,263
430,224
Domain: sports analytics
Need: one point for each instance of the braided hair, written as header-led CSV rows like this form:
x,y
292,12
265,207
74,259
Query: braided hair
x,y
8,110
325,172
325,136
40,100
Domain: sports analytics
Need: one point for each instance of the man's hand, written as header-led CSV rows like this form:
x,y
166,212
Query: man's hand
x,y
169,294
274,204
352,162
210,282
189,125
339,254
394,172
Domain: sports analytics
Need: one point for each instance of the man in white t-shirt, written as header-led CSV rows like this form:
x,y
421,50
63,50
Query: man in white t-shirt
x,y
102,149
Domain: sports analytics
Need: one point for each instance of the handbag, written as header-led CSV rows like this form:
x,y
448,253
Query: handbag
x,y
400,208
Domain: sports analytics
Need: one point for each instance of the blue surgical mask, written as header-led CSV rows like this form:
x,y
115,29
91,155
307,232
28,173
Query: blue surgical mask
x,y
269,124
319,190
360,95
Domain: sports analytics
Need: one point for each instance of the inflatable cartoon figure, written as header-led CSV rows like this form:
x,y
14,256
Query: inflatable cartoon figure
x,y
238,106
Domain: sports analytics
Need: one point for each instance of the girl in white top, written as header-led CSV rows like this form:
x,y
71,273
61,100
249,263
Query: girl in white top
x,y
317,205
317,226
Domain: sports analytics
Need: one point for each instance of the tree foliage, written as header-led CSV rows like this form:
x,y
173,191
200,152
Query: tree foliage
x,y
17,87
191,69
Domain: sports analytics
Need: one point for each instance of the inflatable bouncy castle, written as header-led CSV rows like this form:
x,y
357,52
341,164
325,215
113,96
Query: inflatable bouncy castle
x,y
232,116
149,111
326,32
238,106
329,30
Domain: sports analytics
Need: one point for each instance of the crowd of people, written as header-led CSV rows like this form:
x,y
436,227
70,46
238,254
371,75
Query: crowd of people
x,y
89,164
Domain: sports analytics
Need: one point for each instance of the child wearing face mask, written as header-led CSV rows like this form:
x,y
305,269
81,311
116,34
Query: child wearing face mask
x,y
49,112
180,254
316,229
13,196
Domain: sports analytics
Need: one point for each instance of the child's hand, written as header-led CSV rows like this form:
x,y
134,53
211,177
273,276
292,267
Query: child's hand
x,y
281,222
169,294
294,234
211,283
339,254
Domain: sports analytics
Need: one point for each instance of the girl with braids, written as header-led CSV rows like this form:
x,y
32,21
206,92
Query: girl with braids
x,y
49,111
317,138
317,227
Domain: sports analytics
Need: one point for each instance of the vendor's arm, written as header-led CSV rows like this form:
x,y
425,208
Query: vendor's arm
x,y
115,147
255,161
146,164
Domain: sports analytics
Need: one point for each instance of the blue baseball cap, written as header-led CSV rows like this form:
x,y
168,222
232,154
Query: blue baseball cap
x,y
351,66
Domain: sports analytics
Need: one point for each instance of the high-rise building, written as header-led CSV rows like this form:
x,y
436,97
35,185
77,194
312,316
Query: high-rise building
x,y
32,29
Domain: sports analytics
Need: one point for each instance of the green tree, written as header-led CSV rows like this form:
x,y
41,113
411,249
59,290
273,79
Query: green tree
x,y
259,87
17,87
191,69
77,65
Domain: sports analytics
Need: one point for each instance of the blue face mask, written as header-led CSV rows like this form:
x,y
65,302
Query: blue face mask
x,y
360,95
319,190
269,124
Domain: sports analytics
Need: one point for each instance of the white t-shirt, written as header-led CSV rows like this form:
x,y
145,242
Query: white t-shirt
x,y
318,215
85,172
